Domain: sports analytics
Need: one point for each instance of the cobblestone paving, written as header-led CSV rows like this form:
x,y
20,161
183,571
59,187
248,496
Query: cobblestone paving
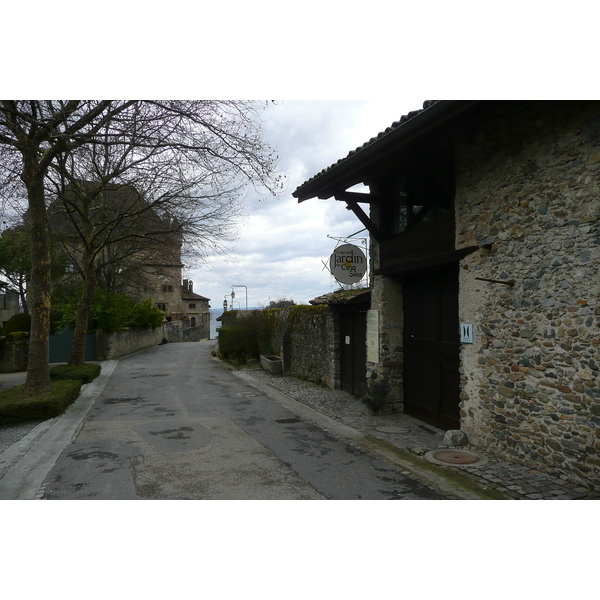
x,y
514,480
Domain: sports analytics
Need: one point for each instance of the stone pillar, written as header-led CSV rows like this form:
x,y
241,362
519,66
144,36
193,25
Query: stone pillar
x,y
386,377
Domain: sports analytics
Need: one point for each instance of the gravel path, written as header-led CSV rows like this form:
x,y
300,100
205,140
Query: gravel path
x,y
11,434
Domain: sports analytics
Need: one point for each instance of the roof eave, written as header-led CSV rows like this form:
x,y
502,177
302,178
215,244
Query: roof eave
x,y
342,174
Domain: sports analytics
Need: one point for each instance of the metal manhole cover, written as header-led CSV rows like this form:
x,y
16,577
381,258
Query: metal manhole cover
x,y
392,429
456,458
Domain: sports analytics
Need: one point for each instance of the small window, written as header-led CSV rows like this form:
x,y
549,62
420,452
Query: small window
x,y
167,288
162,307
192,306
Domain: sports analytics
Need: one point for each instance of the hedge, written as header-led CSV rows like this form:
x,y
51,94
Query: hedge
x,y
84,373
65,386
21,322
16,407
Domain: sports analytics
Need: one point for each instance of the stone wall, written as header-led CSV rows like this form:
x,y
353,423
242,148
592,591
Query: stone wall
x,y
528,193
109,345
305,338
176,332
14,353
386,297
119,343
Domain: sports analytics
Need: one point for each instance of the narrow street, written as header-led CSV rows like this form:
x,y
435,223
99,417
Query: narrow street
x,y
173,422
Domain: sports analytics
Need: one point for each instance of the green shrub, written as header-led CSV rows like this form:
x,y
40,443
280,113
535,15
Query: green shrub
x,y
145,314
21,322
243,340
16,407
110,312
84,373
238,343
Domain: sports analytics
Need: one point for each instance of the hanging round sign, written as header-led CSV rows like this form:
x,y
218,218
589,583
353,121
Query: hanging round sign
x,y
348,264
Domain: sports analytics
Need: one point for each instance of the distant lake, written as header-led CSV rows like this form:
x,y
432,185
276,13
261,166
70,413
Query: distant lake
x,y
214,313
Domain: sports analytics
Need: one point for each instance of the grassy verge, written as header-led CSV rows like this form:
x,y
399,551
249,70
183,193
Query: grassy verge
x,y
65,386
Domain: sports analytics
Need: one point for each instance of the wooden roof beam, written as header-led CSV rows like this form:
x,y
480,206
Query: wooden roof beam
x,y
361,215
357,197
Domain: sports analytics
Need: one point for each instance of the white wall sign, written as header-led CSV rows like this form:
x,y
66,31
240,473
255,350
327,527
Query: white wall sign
x,y
348,263
373,336
466,333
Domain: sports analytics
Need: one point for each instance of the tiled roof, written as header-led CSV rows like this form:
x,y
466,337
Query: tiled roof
x,y
343,297
411,115
185,295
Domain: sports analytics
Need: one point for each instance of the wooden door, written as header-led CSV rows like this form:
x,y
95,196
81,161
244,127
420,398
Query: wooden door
x,y
353,354
431,347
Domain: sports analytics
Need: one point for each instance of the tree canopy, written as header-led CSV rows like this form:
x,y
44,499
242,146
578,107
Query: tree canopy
x,y
189,160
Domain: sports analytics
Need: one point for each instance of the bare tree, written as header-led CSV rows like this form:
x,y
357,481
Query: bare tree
x,y
164,175
33,134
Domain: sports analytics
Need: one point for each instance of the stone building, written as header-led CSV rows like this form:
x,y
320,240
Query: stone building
x,y
9,305
484,221
140,252
195,309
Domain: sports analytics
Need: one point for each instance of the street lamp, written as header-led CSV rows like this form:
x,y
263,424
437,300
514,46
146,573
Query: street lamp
x,y
233,293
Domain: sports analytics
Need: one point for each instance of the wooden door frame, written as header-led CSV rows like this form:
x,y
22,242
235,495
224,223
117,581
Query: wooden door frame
x,y
441,351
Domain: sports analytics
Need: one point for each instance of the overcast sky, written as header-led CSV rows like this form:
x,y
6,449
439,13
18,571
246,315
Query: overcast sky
x,y
282,244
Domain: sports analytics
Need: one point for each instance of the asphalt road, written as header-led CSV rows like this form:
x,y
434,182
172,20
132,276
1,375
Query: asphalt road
x,y
173,422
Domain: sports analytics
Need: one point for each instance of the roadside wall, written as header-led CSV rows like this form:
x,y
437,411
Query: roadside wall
x,y
304,337
13,354
176,332
119,343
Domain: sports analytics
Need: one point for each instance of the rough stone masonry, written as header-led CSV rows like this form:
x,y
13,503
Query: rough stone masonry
x,y
528,194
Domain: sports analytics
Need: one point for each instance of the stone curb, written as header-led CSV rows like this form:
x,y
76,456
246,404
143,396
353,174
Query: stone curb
x,y
25,465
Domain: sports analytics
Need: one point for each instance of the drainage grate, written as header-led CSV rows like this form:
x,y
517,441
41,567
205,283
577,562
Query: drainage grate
x,y
456,458
288,420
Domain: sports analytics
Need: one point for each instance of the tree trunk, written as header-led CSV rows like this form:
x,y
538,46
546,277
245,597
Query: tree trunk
x,y
83,312
38,369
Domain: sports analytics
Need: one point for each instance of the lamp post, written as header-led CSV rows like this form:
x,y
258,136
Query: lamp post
x,y
233,293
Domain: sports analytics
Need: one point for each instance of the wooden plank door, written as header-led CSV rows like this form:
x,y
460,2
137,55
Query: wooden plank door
x,y
353,354
431,347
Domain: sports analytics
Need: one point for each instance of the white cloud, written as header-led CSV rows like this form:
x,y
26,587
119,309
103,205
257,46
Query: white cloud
x,y
282,244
